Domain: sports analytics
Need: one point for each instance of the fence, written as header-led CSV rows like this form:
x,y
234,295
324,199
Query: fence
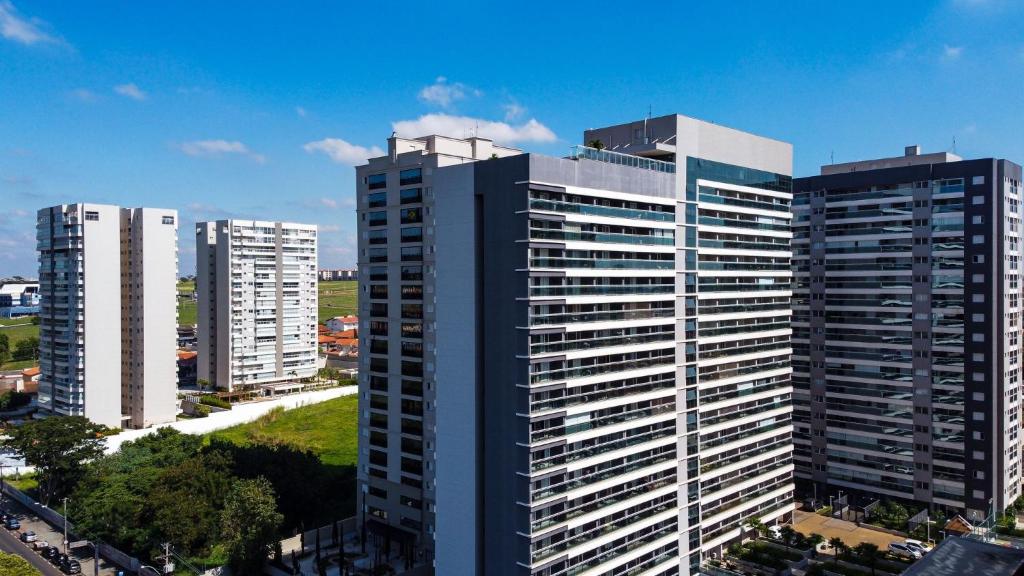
x,y
53,518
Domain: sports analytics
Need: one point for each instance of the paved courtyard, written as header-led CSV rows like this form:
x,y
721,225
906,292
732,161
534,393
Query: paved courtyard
x,y
809,522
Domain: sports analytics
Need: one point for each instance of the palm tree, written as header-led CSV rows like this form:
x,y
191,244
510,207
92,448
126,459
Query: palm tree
x,y
754,524
869,555
814,540
838,545
787,534
596,144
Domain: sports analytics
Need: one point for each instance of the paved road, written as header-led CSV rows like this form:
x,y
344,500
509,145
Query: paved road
x,y
9,543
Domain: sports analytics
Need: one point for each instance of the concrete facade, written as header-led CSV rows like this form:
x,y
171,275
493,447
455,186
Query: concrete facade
x,y
256,289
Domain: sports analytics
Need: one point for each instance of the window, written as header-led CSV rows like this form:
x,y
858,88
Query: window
x,y
378,254
167,219
412,234
412,292
376,181
410,176
978,239
412,330
377,199
977,219
379,291
411,216
977,278
412,273
379,236
92,216
976,200
978,180
411,195
378,218
378,273
412,253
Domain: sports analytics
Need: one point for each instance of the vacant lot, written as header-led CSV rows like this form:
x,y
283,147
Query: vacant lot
x,y
18,329
327,429
337,299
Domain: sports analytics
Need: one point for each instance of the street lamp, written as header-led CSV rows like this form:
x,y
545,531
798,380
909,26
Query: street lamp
x,y
65,524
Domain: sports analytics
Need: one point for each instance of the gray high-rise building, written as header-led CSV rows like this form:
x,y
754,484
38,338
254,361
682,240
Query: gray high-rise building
x,y
575,364
906,363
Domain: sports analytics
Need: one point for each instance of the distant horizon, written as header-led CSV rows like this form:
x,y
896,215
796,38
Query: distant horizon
x,y
222,112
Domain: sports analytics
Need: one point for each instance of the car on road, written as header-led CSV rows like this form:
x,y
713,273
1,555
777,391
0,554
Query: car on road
x,y
904,551
922,547
70,566
28,536
12,524
51,553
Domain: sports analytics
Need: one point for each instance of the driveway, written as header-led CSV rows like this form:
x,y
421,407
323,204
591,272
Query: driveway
x,y
809,522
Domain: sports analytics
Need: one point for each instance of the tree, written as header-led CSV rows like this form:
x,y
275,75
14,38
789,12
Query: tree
x,y
869,555
14,565
5,349
787,534
754,524
596,144
57,447
187,498
838,546
249,524
27,349
815,540
35,320
203,383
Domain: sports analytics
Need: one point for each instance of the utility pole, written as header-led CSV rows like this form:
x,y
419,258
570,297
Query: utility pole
x,y
65,525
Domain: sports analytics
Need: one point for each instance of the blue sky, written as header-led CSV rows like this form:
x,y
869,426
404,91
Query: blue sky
x,y
260,109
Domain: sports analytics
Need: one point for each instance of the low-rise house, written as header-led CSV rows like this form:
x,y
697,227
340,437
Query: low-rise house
x,y
341,323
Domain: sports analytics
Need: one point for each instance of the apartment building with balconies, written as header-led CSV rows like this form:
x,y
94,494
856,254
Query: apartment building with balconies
x,y
256,289
108,313
907,331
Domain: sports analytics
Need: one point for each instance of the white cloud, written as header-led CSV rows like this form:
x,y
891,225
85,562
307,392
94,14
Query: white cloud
x,y
84,95
213,148
465,126
328,228
343,152
952,52
300,111
444,94
14,27
329,203
130,91
513,111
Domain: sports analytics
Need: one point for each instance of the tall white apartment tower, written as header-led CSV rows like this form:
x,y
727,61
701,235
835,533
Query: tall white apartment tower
x,y
108,319
575,365
257,302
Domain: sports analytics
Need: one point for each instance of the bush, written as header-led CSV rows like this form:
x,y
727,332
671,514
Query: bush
x,y
201,411
215,401
12,400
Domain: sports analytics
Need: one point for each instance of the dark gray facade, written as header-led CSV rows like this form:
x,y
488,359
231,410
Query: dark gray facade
x,y
906,333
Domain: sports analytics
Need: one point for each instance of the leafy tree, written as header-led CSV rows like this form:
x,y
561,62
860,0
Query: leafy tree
x,y
787,534
5,348
869,555
754,524
14,565
35,320
57,447
249,524
27,349
596,144
815,540
187,499
203,383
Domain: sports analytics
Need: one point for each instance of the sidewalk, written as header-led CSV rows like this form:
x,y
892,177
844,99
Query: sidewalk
x,y
239,414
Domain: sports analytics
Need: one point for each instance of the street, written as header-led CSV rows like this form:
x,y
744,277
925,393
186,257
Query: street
x,y
10,543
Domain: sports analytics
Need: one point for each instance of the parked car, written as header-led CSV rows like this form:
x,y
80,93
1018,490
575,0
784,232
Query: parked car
x,y
904,551
51,553
28,536
40,545
70,566
12,524
775,531
922,547
58,558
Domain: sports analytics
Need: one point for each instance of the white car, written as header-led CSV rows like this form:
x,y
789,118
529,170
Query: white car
x,y
918,545
904,551
775,531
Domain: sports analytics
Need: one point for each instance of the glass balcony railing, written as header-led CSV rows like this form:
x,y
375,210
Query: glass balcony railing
x,y
607,156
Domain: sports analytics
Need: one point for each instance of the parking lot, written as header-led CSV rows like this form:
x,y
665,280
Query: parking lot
x,y
52,536
808,522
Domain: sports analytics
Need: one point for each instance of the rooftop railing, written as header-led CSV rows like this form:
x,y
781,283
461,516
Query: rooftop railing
x,y
578,151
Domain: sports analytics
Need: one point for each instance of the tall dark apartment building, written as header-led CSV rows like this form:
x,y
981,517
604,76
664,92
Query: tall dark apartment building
x,y
906,330
575,365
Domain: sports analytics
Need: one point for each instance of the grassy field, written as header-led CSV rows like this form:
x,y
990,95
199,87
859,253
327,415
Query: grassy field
x,y
328,429
18,329
337,299
186,306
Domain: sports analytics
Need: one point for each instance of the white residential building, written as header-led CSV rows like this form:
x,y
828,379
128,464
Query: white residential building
x,y
109,313
256,285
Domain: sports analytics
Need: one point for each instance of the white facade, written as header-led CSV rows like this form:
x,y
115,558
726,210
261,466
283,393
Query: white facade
x,y
103,354
256,284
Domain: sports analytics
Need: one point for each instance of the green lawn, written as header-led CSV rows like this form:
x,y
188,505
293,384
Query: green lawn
x,y
328,429
337,299
186,306
18,329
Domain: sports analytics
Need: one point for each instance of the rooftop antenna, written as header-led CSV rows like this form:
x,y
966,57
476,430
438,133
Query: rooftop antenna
x,y
954,144
832,157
